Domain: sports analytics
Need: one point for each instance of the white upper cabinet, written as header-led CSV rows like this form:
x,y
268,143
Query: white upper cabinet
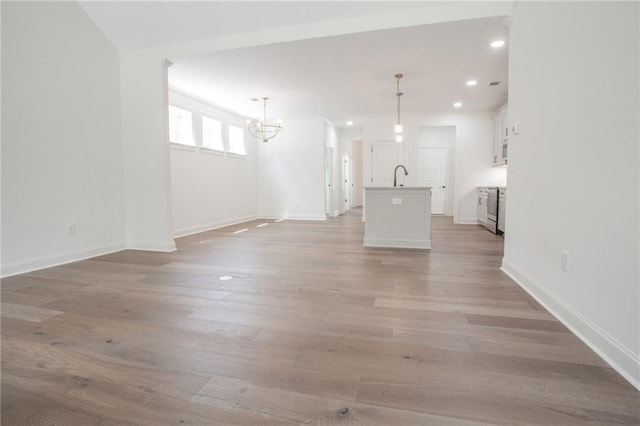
x,y
500,136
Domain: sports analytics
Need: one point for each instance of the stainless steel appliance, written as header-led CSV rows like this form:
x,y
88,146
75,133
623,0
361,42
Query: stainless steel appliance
x,y
492,210
502,204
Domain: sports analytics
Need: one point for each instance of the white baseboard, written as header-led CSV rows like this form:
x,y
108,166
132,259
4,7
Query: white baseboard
x,y
271,217
466,221
313,218
51,260
211,226
164,246
619,357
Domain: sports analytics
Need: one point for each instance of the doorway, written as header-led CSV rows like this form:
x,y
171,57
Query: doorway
x,y
435,148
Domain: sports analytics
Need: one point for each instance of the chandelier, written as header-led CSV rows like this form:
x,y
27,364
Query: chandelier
x,y
263,130
398,126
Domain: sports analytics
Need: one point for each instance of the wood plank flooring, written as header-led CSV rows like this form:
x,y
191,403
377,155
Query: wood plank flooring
x,y
296,323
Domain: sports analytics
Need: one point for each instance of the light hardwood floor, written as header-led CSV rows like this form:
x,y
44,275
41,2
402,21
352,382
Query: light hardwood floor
x,y
312,328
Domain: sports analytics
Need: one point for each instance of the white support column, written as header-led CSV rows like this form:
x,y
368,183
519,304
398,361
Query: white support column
x,y
146,152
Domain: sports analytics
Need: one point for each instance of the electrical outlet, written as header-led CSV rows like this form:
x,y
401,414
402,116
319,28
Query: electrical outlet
x,y
564,261
71,229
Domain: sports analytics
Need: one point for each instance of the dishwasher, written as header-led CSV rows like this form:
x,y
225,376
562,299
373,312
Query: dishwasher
x,y
502,209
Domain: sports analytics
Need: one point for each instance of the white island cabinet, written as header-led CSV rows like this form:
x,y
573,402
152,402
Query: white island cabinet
x,y
397,217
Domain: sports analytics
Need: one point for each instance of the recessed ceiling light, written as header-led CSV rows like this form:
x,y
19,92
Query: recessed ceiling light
x,y
497,43
349,123
457,104
471,82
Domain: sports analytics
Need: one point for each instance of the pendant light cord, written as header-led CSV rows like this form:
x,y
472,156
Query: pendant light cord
x,y
398,94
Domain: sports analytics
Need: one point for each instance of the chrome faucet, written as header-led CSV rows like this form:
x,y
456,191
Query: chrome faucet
x,y
395,174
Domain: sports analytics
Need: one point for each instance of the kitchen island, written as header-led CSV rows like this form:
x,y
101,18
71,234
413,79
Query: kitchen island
x,y
397,217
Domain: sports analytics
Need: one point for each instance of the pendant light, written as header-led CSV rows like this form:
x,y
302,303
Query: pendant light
x,y
263,130
398,126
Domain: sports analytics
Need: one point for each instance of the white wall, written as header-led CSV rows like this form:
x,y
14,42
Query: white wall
x,y
61,138
211,189
291,174
573,169
471,161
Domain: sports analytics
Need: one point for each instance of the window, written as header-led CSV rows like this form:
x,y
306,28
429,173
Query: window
x,y
180,126
236,140
212,134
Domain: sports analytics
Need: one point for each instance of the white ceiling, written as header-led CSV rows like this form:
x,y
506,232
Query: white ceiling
x,y
131,25
341,77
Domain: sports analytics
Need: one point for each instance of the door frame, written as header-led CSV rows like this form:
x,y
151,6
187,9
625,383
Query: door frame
x,y
328,180
347,186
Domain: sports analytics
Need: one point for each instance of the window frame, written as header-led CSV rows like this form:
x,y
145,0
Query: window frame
x,y
192,139
204,118
200,109
244,140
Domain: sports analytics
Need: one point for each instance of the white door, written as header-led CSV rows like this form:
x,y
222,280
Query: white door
x,y
328,175
432,171
385,156
348,182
